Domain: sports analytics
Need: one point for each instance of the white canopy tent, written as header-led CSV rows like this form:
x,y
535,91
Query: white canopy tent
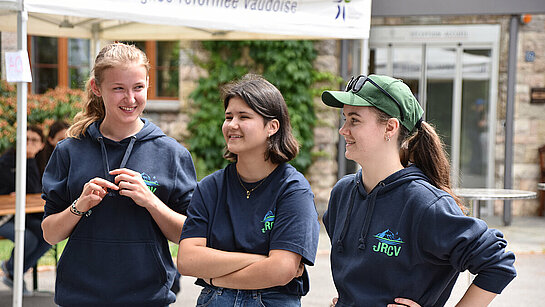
x,y
167,20
191,19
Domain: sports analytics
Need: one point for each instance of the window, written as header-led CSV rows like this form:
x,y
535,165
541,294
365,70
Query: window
x,y
66,62
59,62
45,64
78,62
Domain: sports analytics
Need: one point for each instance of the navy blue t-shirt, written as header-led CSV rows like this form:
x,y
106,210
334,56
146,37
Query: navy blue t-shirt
x,y
279,214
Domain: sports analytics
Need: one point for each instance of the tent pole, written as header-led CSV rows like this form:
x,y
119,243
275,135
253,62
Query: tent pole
x,y
364,61
510,114
20,177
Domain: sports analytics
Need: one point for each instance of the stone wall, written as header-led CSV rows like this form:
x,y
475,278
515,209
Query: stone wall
x,y
529,117
322,174
174,120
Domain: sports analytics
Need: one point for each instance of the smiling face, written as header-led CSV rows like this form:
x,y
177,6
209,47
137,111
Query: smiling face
x,y
363,133
124,92
244,130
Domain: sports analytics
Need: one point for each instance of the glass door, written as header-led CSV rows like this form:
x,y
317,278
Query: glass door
x,y
440,68
476,68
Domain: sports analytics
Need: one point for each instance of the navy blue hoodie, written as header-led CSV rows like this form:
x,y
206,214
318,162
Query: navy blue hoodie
x,y
118,255
406,238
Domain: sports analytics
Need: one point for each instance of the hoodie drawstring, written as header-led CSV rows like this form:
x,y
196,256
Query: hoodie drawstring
x,y
127,152
105,164
126,156
368,215
340,245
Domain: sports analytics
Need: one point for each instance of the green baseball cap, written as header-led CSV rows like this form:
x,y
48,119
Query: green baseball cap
x,y
388,94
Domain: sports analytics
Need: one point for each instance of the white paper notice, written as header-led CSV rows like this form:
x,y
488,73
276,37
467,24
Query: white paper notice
x,y
18,67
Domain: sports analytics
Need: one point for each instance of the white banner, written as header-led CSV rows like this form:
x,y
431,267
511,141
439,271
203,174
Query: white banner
x,y
348,19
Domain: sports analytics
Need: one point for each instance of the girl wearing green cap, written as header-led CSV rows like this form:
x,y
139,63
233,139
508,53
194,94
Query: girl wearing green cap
x,y
399,235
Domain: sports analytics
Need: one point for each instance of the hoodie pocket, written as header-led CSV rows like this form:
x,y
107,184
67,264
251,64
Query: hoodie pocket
x,y
105,271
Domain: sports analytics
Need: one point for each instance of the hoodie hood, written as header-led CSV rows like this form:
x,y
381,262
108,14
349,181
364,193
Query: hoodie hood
x,y
396,179
148,132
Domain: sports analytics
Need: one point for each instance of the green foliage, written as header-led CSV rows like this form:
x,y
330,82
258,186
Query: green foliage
x,y
286,64
42,110
206,140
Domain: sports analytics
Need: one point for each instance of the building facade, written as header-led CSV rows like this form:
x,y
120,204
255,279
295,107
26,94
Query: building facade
x,y
455,65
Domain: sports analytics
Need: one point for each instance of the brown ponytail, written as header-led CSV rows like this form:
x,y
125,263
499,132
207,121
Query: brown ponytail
x,y
112,55
425,149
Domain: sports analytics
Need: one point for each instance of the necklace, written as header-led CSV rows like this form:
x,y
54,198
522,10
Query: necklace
x,y
248,192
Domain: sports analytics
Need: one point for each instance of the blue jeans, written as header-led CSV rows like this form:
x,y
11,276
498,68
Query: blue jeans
x,y
223,297
35,245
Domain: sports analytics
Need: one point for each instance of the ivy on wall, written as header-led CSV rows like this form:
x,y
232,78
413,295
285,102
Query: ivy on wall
x,y
286,64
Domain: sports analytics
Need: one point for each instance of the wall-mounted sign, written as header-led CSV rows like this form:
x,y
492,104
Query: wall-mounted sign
x,y
537,95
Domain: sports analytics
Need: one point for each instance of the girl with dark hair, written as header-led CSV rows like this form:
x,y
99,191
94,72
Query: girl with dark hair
x,y
118,188
35,245
253,225
399,235
57,133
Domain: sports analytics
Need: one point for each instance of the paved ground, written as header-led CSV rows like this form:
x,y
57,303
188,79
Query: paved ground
x,y
526,237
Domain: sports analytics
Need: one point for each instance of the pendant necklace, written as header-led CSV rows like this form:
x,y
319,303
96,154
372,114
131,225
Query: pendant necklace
x,y
248,192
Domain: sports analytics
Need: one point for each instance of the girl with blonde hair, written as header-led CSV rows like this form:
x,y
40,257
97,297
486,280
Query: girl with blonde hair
x,y
117,187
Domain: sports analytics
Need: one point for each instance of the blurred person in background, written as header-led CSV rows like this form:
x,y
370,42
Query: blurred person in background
x,y
35,245
57,133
